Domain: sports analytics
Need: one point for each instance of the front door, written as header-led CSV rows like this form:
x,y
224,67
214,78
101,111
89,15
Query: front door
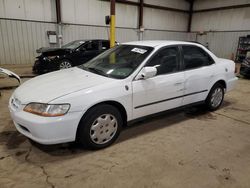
x,y
165,90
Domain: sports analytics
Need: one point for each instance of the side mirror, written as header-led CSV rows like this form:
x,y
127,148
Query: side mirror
x,y
146,73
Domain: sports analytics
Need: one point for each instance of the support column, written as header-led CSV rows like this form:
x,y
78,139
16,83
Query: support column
x,y
191,4
59,22
141,28
112,23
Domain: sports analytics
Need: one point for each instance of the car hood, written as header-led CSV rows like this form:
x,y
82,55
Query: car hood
x,y
48,87
55,51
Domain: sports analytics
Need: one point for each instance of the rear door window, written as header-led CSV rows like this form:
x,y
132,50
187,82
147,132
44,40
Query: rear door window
x,y
195,57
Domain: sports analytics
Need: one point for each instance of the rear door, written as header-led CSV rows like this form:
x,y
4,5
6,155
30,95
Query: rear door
x,y
165,90
198,68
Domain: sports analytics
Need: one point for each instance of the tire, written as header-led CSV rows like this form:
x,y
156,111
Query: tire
x,y
100,127
64,64
215,97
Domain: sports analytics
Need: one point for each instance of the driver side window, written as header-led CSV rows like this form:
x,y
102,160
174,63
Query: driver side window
x,y
165,60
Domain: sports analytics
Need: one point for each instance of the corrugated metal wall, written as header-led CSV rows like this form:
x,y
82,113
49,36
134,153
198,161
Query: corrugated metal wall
x,y
20,39
223,44
39,10
24,23
223,20
172,20
167,35
223,27
73,32
206,4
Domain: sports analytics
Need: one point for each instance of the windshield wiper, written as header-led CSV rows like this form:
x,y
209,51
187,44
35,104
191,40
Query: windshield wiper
x,y
97,71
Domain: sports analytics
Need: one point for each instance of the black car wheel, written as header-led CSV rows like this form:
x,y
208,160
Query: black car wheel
x,y
215,97
100,127
65,64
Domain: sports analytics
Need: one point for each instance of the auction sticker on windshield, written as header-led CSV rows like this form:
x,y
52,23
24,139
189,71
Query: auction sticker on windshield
x,y
139,50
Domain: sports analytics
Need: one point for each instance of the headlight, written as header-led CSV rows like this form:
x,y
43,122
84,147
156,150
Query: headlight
x,y
50,57
47,110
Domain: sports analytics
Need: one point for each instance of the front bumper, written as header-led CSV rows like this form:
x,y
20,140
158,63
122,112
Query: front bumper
x,y
46,130
43,66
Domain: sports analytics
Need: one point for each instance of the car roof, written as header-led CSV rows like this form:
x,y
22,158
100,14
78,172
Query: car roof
x,y
160,43
92,40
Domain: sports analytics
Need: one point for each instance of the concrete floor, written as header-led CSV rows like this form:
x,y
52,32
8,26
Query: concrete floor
x,y
191,148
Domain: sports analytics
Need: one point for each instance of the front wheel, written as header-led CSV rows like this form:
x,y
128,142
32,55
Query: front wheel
x,y
215,97
100,127
65,64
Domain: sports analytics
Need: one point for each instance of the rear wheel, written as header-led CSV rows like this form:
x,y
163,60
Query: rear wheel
x,y
65,64
215,97
100,127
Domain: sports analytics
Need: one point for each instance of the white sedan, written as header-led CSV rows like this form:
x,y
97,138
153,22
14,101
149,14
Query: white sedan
x,y
92,102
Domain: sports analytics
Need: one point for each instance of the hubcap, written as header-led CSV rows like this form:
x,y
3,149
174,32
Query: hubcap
x,y
217,97
65,65
103,129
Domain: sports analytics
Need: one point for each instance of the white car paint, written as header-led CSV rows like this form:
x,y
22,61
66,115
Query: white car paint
x,y
82,90
10,74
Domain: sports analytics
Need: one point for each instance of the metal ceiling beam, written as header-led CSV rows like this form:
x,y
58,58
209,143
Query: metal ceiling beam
x,y
164,8
222,8
127,2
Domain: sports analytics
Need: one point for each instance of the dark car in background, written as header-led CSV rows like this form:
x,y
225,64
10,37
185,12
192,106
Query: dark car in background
x,y
72,54
245,68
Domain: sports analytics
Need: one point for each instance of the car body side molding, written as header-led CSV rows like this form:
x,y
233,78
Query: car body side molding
x,y
141,106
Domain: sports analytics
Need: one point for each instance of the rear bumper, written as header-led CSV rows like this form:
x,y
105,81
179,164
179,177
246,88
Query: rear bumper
x,y
231,84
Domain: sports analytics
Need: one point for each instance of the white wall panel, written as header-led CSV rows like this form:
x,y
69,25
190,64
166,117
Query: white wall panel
x,y
180,4
232,19
223,44
40,10
74,32
206,4
165,35
93,12
126,16
20,39
165,20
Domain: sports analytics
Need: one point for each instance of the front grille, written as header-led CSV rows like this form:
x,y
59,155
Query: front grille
x,y
15,103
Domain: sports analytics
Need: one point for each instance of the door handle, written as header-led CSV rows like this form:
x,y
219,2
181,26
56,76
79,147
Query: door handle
x,y
178,83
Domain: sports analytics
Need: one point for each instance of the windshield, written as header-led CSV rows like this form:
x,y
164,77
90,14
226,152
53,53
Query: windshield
x,y
118,62
73,44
